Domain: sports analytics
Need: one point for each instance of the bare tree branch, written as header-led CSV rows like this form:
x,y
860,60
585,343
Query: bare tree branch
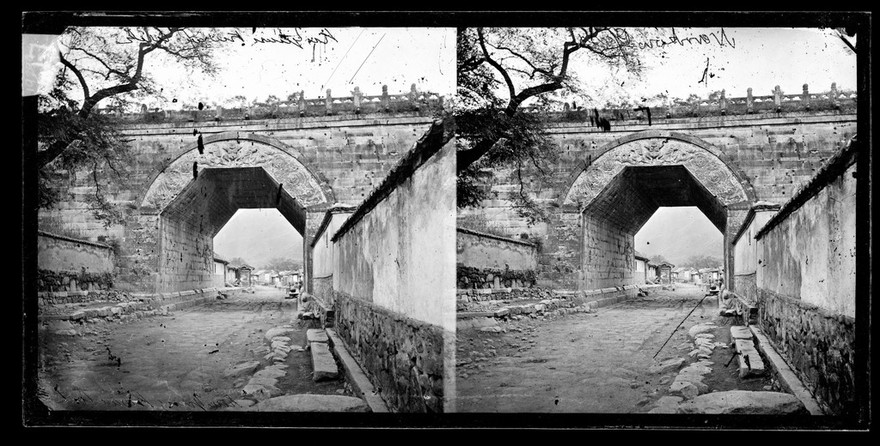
x,y
77,73
510,87
527,61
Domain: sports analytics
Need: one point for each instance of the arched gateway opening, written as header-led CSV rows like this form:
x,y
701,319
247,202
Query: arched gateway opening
x,y
620,190
199,191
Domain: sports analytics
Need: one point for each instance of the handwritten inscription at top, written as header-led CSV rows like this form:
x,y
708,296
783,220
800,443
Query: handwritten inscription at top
x,y
711,38
622,38
296,37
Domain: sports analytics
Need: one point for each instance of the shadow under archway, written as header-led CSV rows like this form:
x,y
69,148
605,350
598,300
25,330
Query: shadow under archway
x,y
618,191
188,224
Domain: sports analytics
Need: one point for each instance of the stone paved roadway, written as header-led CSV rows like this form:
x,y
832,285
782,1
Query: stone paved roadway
x,y
175,362
584,362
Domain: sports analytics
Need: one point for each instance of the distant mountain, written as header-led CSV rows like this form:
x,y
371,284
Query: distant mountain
x,y
678,234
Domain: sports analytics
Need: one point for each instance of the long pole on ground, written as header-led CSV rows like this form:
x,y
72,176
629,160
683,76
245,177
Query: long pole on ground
x,y
679,325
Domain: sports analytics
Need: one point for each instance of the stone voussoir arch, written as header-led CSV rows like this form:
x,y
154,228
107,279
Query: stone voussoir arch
x,y
230,149
657,148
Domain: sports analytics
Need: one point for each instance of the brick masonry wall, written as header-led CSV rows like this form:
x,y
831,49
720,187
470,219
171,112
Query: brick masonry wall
x,y
817,344
403,357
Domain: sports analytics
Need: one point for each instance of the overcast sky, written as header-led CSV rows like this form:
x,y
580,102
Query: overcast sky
x,y
258,236
352,57
734,60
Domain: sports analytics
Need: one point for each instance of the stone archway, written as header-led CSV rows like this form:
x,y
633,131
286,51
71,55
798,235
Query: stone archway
x,y
266,162
234,149
613,196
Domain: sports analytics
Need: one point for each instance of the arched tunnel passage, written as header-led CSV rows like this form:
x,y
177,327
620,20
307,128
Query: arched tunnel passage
x,y
188,224
612,219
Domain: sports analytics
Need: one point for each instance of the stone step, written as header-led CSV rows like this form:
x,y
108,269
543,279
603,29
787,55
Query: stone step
x,y
739,332
316,335
323,365
754,366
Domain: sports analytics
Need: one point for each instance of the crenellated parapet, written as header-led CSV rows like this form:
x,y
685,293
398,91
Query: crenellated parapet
x,y
296,106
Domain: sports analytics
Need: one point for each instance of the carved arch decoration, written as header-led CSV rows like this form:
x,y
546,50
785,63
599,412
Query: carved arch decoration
x,y
658,148
238,149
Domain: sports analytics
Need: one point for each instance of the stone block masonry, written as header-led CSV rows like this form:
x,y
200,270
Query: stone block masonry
x,y
819,346
403,357
772,157
608,255
319,160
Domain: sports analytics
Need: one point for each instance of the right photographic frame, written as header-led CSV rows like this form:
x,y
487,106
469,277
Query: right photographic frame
x,y
665,223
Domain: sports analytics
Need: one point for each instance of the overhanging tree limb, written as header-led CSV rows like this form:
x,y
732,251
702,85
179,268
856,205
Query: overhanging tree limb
x,y
131,83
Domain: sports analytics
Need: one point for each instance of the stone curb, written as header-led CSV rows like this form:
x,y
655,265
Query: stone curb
x,y
356,375
546,305
145,305
786,376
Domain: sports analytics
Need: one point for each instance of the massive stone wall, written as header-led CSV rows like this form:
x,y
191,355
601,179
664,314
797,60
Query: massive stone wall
x,y
187,256
608,258
772,155
334,158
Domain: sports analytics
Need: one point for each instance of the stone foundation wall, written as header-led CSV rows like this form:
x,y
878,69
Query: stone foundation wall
x,y
818,345
491,278
403,357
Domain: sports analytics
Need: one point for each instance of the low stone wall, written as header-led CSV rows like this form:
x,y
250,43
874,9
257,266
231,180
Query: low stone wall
x,y
68,264
402,356
488,278
481,250
74,284
473,300
119,306
818,345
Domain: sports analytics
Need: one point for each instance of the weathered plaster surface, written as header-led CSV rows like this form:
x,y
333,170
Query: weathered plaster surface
x,y
66,255
401,254
487,251
811,254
